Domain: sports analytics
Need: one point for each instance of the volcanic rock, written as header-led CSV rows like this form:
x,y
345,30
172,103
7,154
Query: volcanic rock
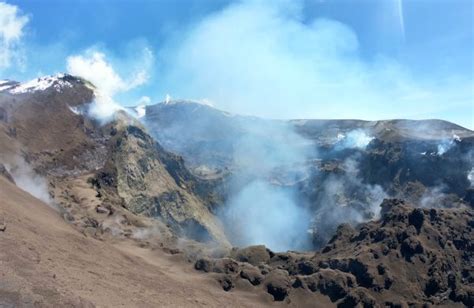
x,y
4,172
252,274
253,254
277,283
410,255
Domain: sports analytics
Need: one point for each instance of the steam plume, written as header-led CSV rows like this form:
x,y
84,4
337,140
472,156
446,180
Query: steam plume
x,y
264,207
93,66
28,180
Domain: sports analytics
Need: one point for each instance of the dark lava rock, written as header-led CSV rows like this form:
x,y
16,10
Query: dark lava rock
x,y
226,282
416,218
204,265
359,269
4,172
307,267
357,297
277,284
411,246
252,274
407,257
334,283
464,295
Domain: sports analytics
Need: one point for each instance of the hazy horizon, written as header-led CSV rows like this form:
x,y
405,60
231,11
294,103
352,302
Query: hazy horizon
x,y
324,59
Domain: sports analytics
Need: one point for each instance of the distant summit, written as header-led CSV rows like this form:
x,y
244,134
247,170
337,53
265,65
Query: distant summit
x,y
56,82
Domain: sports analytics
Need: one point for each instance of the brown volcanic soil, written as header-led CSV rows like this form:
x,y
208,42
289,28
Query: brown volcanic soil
x,y
46,263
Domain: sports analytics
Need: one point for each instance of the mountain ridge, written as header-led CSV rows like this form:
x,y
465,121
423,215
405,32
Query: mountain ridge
x,y
159,186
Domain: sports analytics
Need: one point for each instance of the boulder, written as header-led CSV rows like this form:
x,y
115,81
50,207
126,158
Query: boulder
x,y
277,284
358,297
334,283
252,274
254,255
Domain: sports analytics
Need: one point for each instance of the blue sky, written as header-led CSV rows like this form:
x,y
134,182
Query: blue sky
x,y
301,59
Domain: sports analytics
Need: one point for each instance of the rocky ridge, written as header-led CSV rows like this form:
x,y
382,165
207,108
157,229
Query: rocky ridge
x,y
410,257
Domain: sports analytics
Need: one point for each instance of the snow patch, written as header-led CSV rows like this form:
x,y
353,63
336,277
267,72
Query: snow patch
x,y
7,84
41,84
3,88
75,110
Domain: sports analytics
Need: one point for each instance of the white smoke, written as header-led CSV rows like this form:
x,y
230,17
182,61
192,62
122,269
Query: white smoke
x,y
438,197
446,144
470,177
355,139
259,212
30,181
146,233
12,24
344,198
94,67
264,214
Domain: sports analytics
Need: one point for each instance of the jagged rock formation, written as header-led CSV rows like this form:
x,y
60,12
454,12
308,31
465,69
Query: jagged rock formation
x,y
117,165
409,257
153,182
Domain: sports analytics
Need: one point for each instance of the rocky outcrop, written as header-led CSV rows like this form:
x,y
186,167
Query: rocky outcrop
x,y
101,172
154,183
4,172
411,256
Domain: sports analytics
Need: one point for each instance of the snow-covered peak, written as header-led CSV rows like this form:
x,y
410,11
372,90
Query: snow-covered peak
x,y
7,84
58,82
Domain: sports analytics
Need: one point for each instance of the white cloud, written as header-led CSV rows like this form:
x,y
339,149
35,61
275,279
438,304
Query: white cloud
x,y
12,24
94,67
262,58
